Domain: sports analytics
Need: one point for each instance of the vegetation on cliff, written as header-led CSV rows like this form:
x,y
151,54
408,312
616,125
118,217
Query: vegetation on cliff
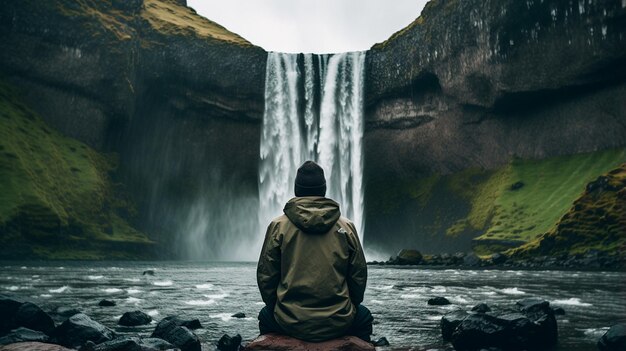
x,y
494,209
58,200
596,221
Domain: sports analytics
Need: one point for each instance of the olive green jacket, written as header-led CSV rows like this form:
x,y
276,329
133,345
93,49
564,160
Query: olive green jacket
x,y
312,270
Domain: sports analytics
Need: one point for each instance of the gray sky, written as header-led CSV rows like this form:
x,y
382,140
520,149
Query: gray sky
x,y
319,26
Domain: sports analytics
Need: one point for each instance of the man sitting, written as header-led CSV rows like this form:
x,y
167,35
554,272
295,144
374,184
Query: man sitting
x,y
312,271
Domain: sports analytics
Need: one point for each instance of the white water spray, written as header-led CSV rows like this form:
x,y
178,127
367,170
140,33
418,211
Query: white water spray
x,y
313,111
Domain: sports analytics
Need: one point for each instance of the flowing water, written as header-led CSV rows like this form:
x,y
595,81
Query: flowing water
x,y
313,111
212,292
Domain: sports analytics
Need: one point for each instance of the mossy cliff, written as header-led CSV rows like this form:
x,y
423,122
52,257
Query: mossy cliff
x,y
58,200
596,221
176,97
476,95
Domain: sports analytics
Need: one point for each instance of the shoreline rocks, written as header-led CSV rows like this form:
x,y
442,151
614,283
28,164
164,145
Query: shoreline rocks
x,y
594,260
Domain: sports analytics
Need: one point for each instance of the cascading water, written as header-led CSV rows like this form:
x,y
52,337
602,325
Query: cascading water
x,y
313,111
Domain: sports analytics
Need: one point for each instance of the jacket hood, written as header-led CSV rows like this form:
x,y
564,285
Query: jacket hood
x,y
312,214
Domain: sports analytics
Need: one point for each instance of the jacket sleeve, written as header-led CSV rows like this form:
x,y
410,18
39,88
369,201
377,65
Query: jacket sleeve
x,y
268,269
357,270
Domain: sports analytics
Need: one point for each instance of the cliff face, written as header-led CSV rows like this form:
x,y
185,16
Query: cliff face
x,y
471,84
479,85
178,97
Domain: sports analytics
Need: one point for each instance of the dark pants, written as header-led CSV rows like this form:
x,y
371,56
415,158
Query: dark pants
x,y
361,327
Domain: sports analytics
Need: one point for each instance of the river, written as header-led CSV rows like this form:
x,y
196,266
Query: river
x,y
212,292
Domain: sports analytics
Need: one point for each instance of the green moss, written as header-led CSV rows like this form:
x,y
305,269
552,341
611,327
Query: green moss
x,y
595,221
501,208
55,190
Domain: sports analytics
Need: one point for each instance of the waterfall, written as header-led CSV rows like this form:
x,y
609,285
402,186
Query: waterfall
x,y
313,111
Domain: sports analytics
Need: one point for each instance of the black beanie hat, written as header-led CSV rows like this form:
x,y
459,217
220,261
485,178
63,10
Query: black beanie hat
x,y
310,180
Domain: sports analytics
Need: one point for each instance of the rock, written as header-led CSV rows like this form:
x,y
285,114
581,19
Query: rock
x,y
122,344
450,321
131,319
226,343
32,317
79,328
148,272
173,330
614,339
33,346
409,257
517,186
498,258
438,301
534,329
8,309
23,334
481,308
479,331
558,311
106,303
239,315
381,342
277,342
532,305
149,344
132,6
471,260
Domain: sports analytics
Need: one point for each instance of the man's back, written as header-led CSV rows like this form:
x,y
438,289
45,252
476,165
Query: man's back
x,y
312,269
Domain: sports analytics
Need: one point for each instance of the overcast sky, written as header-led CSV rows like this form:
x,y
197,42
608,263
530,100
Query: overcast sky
x,y
318,26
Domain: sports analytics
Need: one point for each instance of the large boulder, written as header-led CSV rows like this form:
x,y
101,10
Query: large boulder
x,y
79,328
409,257
614,339
277,342
228,343
173,330
32,317
23,334
450,321
8,309
533,328
131,319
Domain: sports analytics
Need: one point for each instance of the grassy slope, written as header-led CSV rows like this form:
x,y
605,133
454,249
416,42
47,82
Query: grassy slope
x,y
56,198
168,17
597,220
498,217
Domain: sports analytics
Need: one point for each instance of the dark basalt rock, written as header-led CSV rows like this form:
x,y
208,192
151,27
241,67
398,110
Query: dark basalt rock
x,y
32,317
228,343
23,334
472,260
481,308
150,344
173,330
239,315
106,303
409,257
63,311
558,311
8,309
450,321
78,329
614,339
131,319
381,342
148,272
498,258
534,328
438,301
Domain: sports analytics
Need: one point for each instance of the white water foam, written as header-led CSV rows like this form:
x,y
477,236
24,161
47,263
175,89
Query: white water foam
x,y
512,291
111,290
207,286
59,290
200,302
163,283
574,301
133,291
95,277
